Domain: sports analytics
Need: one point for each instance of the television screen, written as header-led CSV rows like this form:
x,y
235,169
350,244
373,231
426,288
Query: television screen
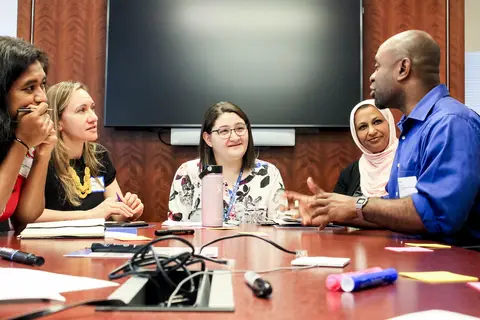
x,y
286,63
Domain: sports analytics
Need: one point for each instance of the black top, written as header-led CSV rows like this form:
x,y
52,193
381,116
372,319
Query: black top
x,y
349,181
55,194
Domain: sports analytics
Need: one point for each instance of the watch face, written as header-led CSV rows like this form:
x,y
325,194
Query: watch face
x,y
361,200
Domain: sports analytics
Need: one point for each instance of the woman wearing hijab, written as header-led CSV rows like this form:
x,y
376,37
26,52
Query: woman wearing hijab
x,y
374,133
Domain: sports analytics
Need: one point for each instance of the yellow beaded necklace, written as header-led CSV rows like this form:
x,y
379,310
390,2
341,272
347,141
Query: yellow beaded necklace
x,y
82,189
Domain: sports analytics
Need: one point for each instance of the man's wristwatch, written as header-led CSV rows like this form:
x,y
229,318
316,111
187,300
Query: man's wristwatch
x,y
361,202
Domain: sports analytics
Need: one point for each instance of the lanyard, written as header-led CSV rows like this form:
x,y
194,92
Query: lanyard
x,y
234,195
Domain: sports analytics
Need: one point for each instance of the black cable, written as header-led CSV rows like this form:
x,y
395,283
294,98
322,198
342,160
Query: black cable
x,y
58,308
247,235
210,259
146,256
139,258
164,265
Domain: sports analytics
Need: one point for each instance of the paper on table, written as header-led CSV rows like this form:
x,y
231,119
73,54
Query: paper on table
x,y
438,276
223,228
408,249
171,223
17,293
122,230
113,234
131,237
35,284
192,224
282,222
434,314
321,261
428,245
474,285
125,236
296,227
210,252
87,253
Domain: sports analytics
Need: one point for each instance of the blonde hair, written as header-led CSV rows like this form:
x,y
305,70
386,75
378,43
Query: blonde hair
x,y
59,97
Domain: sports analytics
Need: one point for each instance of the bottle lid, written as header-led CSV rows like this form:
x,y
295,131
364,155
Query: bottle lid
x,y
210,169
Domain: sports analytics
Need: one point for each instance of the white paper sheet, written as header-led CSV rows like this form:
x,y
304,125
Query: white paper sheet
x,y
193,224
171,223
434,314
210,252
20,284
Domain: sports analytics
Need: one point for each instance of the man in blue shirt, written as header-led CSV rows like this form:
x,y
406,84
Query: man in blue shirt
x,y
434,186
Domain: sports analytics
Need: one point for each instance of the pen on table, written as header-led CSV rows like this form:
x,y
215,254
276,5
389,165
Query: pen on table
x,y
176,232
260,287
21,257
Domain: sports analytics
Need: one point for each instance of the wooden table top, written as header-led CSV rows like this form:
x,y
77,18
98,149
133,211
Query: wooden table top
x,y
297,294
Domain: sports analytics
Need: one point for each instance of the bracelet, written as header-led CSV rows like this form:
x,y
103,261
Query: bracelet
x,y
18,140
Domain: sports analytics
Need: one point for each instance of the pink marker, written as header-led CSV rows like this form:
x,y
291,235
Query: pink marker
x,y
333,280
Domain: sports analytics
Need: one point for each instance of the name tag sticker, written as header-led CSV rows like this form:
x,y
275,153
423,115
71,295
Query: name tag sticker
x,y
406,186
96,186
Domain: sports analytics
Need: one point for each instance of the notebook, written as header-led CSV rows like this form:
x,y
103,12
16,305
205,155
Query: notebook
x,y
86,228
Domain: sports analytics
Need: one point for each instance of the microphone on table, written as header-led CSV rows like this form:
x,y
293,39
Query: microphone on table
x,y
261,288
21,257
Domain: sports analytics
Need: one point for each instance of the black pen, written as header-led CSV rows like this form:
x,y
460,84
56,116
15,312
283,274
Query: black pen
x,y
176,232
28,110
22,257
261,288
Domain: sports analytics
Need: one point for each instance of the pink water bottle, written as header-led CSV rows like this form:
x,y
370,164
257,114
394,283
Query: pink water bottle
x,y
212,196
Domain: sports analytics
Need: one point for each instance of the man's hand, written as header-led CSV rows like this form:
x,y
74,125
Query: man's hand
x,y
323,207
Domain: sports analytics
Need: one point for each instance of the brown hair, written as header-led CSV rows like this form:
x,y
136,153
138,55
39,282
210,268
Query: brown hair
x,y
59,97
206,153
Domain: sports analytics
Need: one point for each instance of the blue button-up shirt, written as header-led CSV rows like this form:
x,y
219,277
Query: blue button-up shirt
x,y
439,148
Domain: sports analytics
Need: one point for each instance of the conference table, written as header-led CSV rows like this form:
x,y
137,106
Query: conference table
x,y
297,294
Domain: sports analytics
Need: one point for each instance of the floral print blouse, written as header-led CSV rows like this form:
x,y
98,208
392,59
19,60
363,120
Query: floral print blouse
x,y
259,195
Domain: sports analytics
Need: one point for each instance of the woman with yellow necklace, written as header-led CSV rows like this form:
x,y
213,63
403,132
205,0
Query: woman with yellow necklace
x,y
81,177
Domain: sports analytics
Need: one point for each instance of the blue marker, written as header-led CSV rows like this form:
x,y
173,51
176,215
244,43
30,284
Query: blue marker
x,y
368,280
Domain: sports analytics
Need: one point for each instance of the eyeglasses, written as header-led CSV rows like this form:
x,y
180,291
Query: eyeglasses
x,y
226,133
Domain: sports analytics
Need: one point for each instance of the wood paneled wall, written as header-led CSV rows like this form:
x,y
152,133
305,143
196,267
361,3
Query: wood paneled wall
x,y
74,35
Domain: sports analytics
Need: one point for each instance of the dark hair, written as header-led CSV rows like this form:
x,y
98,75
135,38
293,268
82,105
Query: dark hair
x,y
206,153
16,55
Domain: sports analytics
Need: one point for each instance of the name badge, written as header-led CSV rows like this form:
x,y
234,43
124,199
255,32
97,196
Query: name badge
x,y
406,186
27,163
98,184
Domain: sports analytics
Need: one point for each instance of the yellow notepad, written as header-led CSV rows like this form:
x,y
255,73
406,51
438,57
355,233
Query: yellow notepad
x,y
428,245
438,276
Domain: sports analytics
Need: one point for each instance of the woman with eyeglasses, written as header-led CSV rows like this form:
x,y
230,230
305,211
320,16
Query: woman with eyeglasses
x,y
252,187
